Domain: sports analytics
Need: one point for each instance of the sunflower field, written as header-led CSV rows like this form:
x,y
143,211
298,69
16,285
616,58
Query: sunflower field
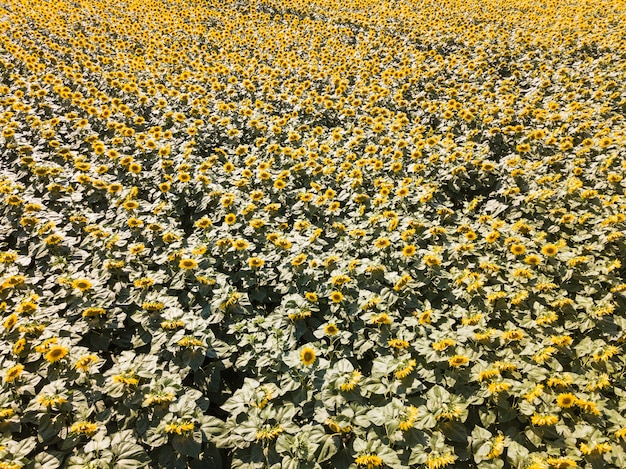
x,y
312,234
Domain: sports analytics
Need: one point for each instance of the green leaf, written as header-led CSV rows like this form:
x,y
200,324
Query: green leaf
x,y
454,431
186,445
516,454
48,460
329,445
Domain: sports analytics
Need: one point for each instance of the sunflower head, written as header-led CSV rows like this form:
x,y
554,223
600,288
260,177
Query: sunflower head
x,y
307,356
82,284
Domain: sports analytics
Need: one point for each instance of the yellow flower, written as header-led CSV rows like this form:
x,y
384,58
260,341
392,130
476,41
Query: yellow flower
x,y
438,461
566,400
53,239
518,249
336,297
136,249
10,322
56,353
498,387
269,432
331,329
540,420
588,407
409,250
512,335
458,360
187,264
370,461
19,346
431,260
230,219
405,369
131,205
488,374
84,428
532,259
549,250
256,262
13,373
351,381
84,363
443,344
240,244
594,448
497,447
562,462
398,344
381,319
82,284
307,356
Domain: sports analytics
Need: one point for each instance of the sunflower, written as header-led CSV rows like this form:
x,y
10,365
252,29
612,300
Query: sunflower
x,y
56,353
13,373
230,219
10,322
370,461
566,400
130,205
336,297
518,249
85,428
409,250
549,250
381,243
405,369
532,259
82,284
187,264
458,360
492,236
431,260
256,262
53,239
331,329
298,260
240,244
307,356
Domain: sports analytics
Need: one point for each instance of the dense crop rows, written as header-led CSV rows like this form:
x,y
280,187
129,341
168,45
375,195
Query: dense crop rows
x,y
312,234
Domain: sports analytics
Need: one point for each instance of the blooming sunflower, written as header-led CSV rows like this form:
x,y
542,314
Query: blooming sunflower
x,y
336,297
566,400
409,250
549,250
56,353
307,356
187,264
256,262
82,284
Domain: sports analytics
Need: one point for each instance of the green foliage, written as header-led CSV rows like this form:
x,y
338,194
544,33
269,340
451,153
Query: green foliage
x,y
312,235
